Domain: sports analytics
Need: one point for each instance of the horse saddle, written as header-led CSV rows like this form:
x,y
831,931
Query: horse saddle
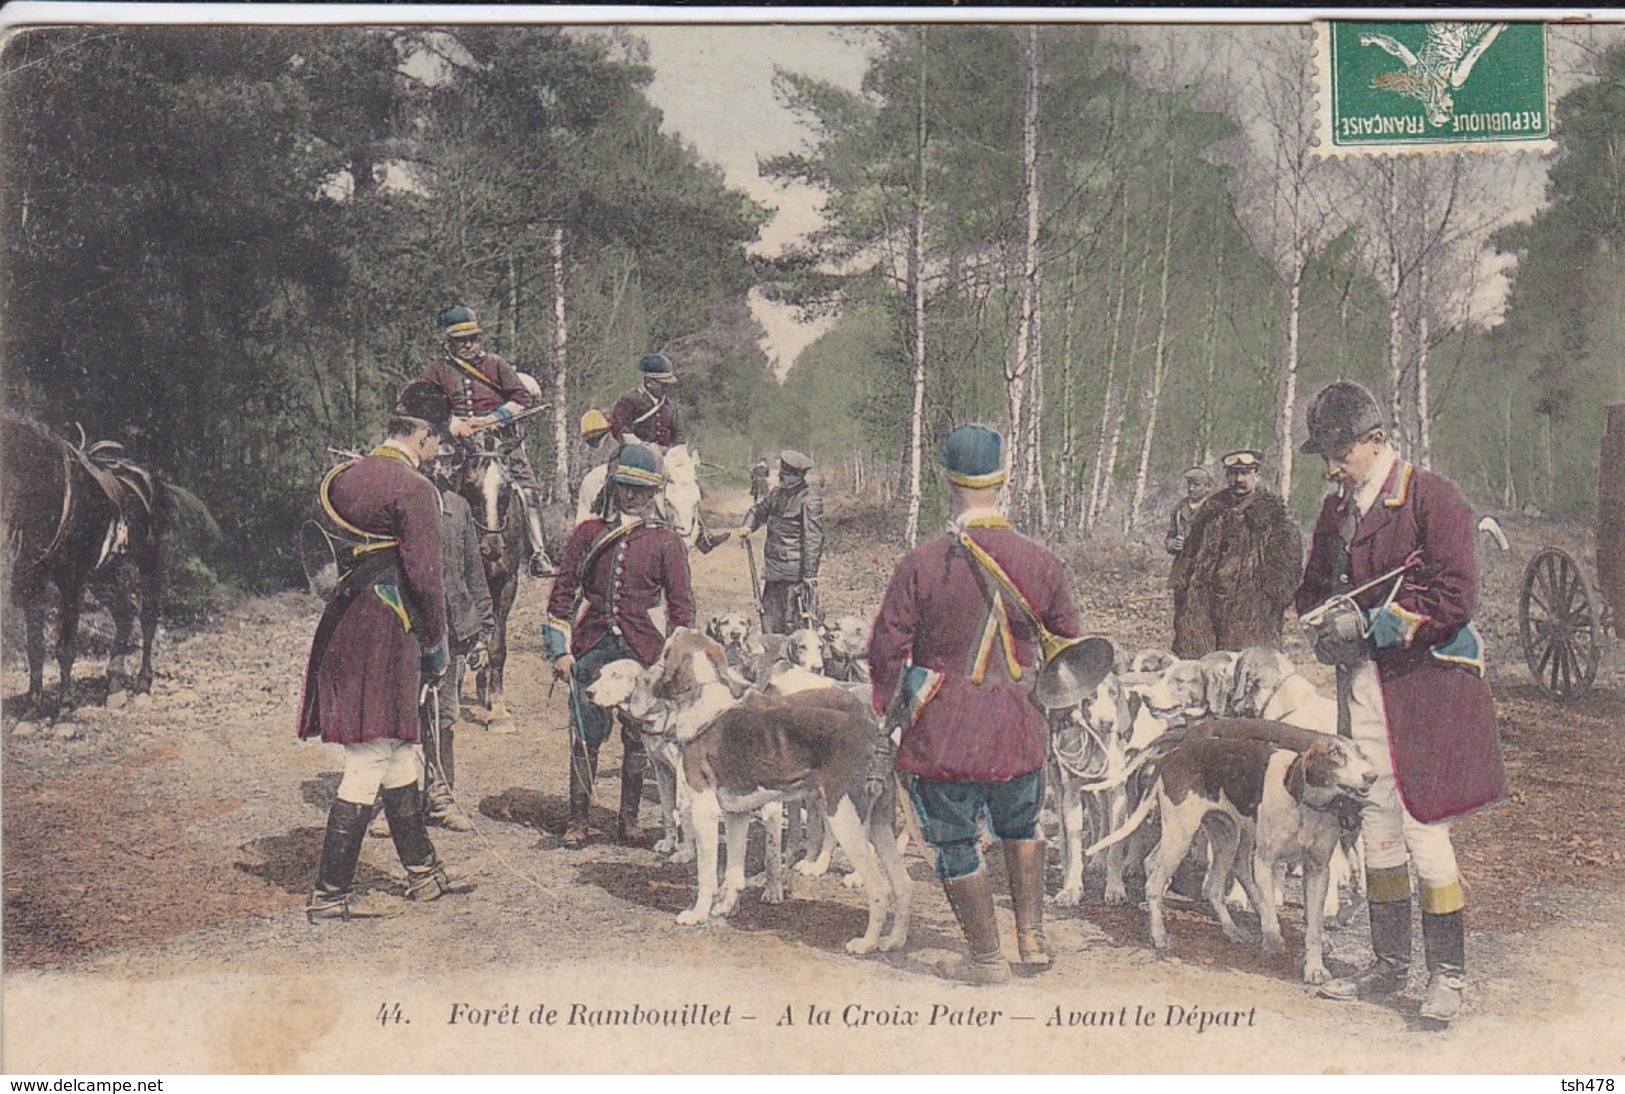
x,y
121,481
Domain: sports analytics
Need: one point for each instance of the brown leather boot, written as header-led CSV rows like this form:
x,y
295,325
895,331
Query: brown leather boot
x,y
583,771
1024,862
971,898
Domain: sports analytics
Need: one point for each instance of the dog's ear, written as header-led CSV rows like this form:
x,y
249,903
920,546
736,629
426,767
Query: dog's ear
x,y
713,628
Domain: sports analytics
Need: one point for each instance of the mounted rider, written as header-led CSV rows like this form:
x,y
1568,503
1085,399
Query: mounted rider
x,y
486,392
646,413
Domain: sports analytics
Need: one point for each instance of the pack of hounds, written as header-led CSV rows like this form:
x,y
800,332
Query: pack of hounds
x,y
1232,760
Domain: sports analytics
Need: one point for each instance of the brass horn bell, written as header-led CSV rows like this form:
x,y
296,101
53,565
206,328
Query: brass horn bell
x,y
1073,668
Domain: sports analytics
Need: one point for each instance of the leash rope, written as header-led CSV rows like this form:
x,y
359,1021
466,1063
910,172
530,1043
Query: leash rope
x,y
433,770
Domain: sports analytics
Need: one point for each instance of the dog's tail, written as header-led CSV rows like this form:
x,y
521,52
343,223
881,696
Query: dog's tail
x,y
1137,818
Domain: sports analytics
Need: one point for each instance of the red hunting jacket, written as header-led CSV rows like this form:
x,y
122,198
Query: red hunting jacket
x,y
470,398
361,683
1441,723
938,615
631,418
619,587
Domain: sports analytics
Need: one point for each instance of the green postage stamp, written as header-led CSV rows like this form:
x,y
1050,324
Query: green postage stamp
x,y
1397,88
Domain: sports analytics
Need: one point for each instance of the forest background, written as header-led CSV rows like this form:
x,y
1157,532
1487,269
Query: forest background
x,y
225,247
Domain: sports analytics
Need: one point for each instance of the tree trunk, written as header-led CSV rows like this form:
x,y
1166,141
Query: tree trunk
x,y
1396,400
1151,400
561,372
1287,384
1203,450
1424,433
1026,395
916,296
1098,488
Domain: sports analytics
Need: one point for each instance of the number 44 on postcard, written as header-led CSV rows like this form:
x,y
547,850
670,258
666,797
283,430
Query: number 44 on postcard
x,y
1398,88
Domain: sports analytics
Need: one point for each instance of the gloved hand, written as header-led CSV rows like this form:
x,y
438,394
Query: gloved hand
x,y
433,661
1391,626
479,657
1339,638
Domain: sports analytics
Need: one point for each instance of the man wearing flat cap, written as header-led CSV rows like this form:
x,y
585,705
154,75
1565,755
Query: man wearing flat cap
x,y
1198,482
1411,687
646,413
1239,565
794,514
953,656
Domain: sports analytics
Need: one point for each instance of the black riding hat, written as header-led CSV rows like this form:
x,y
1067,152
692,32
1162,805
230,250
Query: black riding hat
x,y
425,402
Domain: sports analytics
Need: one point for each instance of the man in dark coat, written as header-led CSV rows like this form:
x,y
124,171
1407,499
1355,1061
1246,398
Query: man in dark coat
x,y
954,656
646,413
1198,482
1238,567
759,475
486,392
470,622
794,514
615,571
1415,694
381,634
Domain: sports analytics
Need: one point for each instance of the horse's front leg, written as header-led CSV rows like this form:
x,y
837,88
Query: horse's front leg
x,y
121,602
152,583
66,635
34,618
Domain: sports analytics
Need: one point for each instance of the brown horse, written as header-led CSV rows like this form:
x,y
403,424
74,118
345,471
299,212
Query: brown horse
x,y
74,519
499,517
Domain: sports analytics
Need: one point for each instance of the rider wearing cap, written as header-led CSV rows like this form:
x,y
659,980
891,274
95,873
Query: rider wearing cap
x,y
646,413
794,514
381,636
615,571
1411,685
486,392
1235,574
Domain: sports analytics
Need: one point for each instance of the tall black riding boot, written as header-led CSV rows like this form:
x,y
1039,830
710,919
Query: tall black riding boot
x,y
1390,939
583,772
341,852
426,879
1444,941
634,760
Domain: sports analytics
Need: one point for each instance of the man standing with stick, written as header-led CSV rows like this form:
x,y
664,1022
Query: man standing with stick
x,y
794,514
615,570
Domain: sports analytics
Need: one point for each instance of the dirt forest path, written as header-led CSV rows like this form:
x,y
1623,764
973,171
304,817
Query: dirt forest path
x,y
155,867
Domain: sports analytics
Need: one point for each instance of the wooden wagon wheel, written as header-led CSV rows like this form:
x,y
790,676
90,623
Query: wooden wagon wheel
x,y
1557,617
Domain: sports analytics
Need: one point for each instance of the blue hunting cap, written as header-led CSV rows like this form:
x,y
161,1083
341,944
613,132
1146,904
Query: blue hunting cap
x,y
458,321
656,366
637,465
973,456
425,402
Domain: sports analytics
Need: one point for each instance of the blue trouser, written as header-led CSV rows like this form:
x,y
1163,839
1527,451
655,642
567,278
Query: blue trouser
x,y
590,723
949,812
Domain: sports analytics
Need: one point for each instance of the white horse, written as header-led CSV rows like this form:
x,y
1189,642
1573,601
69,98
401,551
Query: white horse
x,y
680,497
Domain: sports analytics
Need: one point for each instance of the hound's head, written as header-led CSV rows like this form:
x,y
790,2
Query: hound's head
x,y
847,637
730,630
688,662
1337,767
1152,660
1258,674
1181,689
623,685
1218,668
805,648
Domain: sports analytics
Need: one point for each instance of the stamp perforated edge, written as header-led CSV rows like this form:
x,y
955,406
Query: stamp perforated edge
x,y
1325,149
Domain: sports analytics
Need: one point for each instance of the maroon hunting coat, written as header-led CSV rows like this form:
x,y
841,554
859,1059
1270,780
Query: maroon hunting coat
x,y
620,586
631,419
938,614
469,397
361,683
1441,723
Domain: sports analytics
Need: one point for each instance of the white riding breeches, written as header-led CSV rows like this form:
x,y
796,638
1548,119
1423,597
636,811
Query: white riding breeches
x,y
1392,836
386,763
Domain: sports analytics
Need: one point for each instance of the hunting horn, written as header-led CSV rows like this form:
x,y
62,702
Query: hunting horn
x,y
1073,667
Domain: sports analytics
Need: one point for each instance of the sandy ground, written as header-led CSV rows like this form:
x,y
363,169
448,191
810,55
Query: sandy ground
x,y
155,867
